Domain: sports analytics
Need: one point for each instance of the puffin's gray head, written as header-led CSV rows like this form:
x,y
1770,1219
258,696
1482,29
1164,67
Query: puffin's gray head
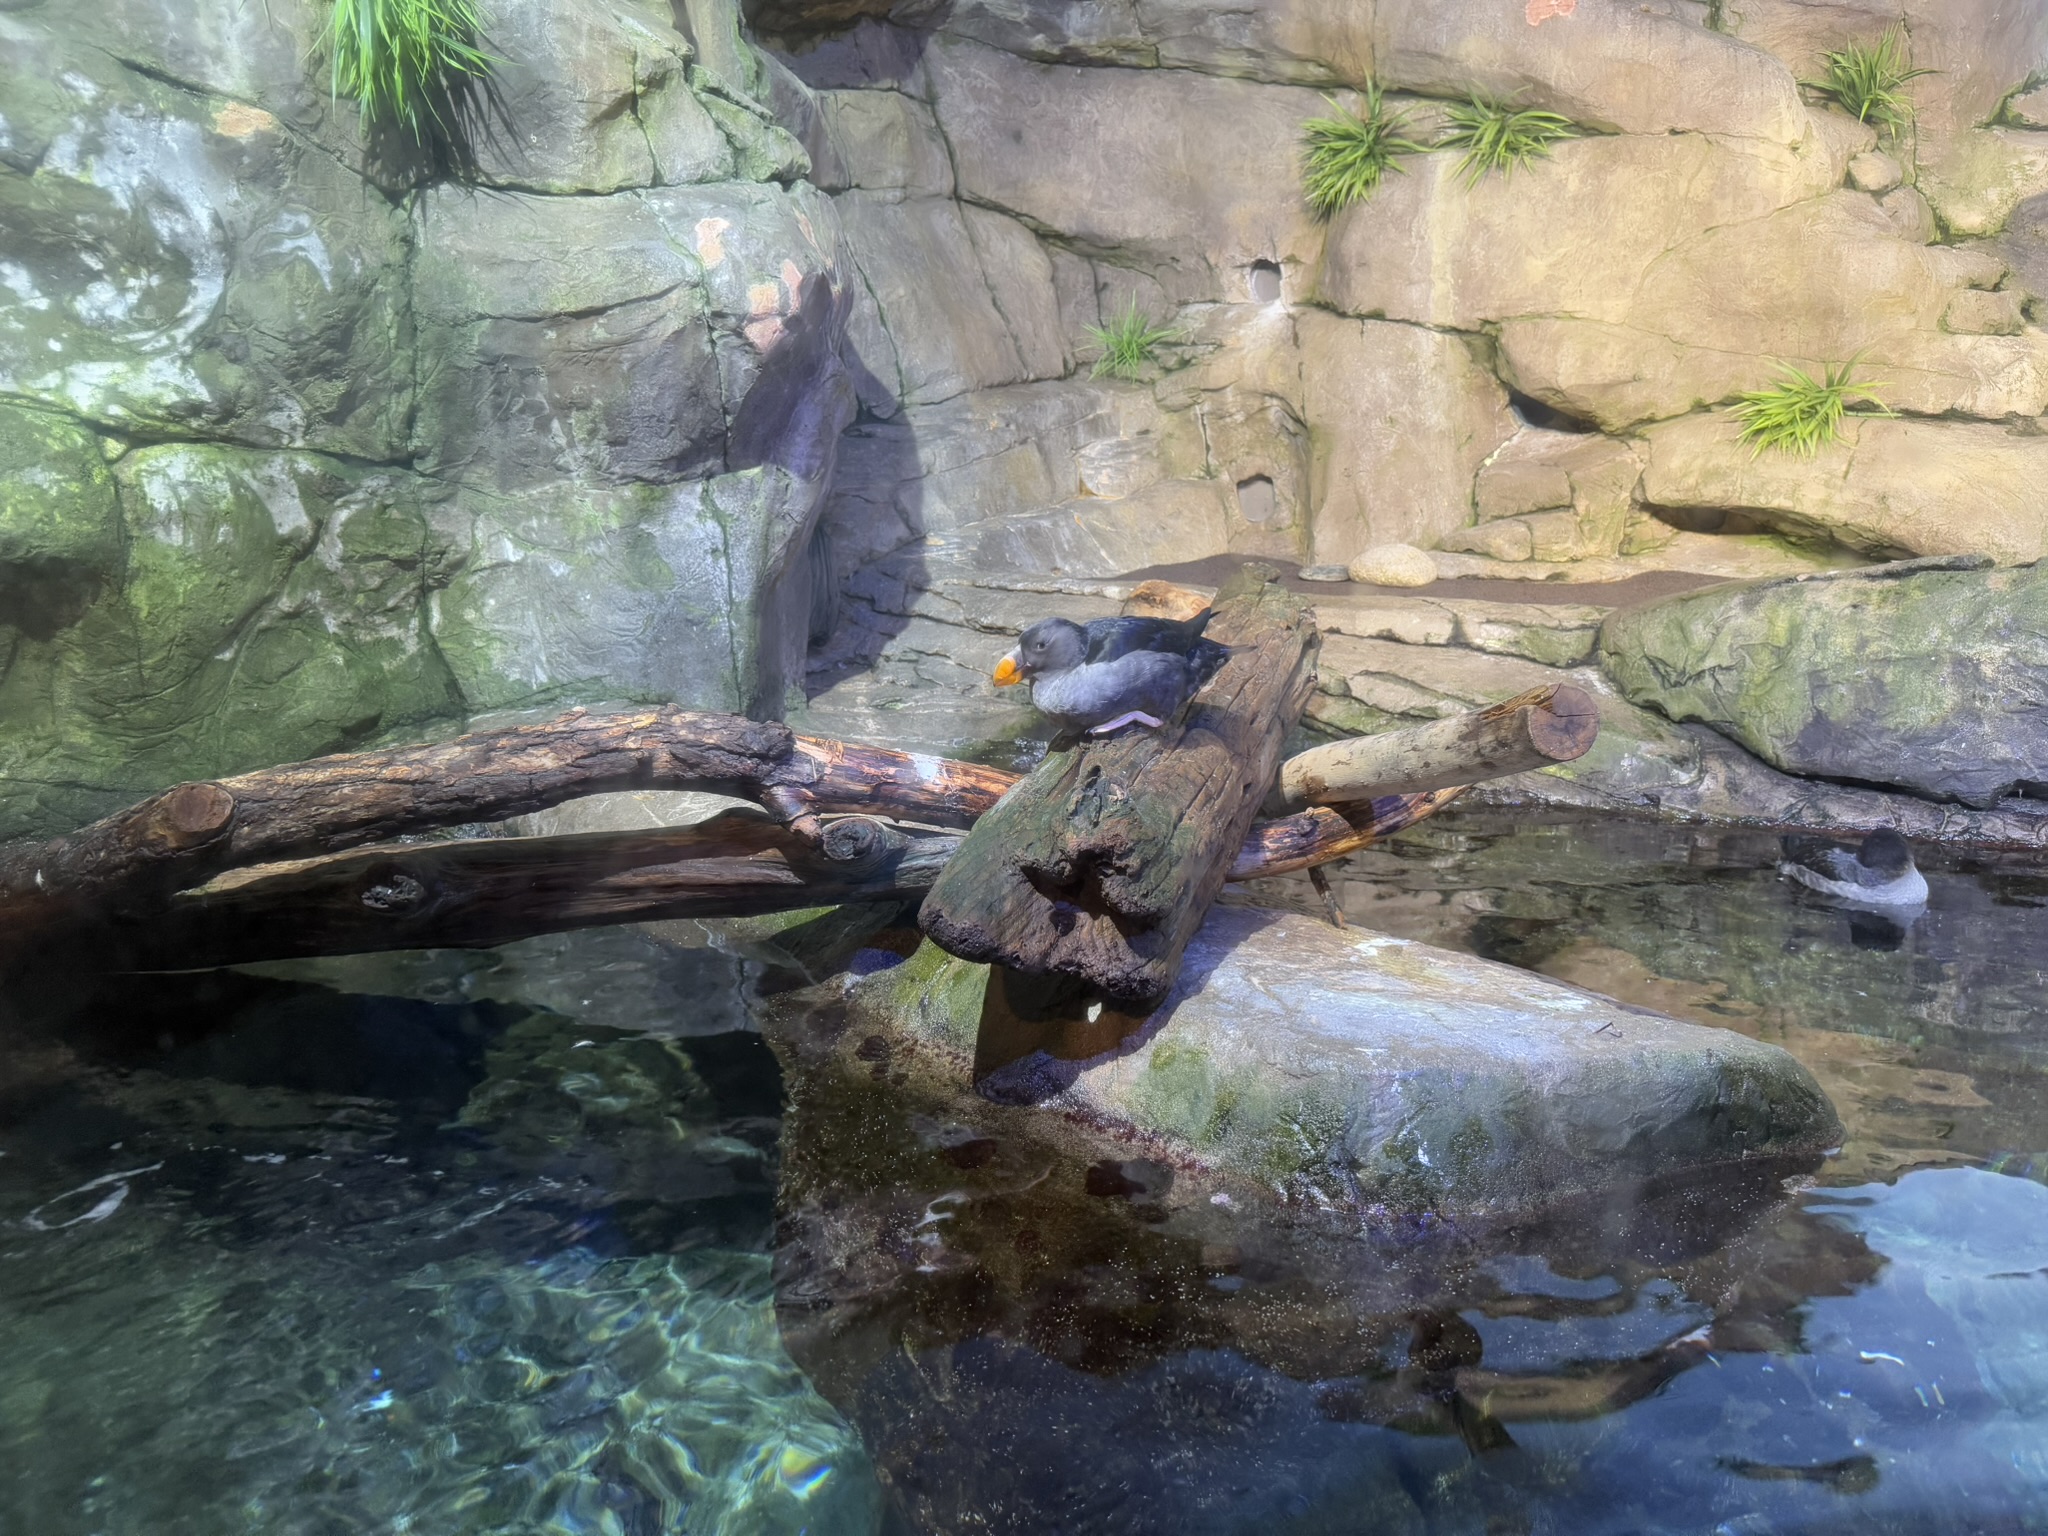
x,y
1884,852
1050,645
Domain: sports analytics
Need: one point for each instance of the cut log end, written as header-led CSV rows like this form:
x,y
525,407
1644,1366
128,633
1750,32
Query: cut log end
x,y
1551,724
1564,727
188,816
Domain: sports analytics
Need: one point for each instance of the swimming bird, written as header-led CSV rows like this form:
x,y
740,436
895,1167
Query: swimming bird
x,y
1879,874
1111,673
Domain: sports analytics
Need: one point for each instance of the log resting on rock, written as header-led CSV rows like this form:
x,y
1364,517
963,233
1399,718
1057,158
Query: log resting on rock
x,y
1101,865
1554,723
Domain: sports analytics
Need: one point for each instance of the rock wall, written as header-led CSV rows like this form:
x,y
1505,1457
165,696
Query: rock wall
x,y
1533,367
301,451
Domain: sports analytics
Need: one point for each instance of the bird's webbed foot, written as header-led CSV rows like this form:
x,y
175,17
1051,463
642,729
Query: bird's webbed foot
x,y
1130,717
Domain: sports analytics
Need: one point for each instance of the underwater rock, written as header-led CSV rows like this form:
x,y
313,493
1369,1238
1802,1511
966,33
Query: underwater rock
x,y
1922,675
1346,1068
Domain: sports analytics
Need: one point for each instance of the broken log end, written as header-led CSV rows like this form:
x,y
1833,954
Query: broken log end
x,y
188,816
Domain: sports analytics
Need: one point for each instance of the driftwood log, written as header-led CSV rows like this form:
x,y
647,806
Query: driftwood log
x,y
1101,865
128,864
477,892
1551,724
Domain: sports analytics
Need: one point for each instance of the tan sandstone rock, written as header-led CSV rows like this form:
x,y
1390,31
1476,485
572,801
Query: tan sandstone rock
x,y
1888,488
1575,234
1400,418
1814,284
1394,565
1189,177
1618,65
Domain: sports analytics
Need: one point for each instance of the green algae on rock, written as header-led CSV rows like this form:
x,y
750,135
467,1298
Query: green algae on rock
x,y
1350,1068
1925,675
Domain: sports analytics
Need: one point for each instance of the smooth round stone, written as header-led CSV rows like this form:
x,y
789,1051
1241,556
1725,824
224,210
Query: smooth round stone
x,y
1324,573
1874,172
1394,565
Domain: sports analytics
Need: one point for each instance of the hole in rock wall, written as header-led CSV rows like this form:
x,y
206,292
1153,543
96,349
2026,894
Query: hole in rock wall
x,y
1264,281
1708,520
824,614
1548,417
1256,499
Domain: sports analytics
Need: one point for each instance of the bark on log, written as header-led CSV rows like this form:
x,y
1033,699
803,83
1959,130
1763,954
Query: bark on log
x,y
486,891
1550,724
479,892
1104,861
130,862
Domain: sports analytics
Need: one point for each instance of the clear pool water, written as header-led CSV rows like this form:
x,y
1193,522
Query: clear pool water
x,y
539,1242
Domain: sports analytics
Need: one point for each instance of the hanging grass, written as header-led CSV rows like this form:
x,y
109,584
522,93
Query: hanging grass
x,y
1498,137
1864,79
1800,413
1128,343
1345,155
408,63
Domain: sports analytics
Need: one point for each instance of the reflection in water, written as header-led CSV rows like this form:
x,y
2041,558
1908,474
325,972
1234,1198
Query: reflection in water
x,y
484,1244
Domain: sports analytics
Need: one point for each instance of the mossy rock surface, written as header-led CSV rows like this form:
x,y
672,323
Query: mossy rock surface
x,y
1925,675
1350,1068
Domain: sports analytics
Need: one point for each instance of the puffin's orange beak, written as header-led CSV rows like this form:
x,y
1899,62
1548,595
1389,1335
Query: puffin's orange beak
x,y
1008,672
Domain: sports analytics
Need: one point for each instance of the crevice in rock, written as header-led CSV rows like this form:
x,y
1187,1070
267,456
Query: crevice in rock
x,y
1533,412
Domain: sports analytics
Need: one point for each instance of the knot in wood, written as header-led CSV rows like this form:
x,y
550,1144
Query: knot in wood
x,y
393,892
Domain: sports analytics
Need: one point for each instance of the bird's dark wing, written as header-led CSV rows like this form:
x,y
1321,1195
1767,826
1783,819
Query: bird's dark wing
x,y
1110,638
1826,860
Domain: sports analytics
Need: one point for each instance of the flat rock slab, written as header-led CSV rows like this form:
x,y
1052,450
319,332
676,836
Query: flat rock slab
x,y
1348,1068
1928,675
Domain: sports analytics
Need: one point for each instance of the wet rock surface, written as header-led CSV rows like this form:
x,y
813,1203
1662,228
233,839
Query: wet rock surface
x,y
1353,1070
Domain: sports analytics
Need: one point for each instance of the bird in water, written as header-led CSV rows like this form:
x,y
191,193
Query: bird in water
x,y
1879,874
1110,673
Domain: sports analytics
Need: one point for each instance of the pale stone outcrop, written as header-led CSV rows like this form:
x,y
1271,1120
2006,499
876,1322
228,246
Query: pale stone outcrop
x,y
1889,487
1219,188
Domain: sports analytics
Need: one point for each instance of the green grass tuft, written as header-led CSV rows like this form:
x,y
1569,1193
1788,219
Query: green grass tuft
x,y
1128,343
407,62
1800,413
1497,137
1865,80
1345,155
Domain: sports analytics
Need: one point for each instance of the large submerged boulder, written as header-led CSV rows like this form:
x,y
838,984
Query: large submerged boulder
x,y
1928,675
1350,1068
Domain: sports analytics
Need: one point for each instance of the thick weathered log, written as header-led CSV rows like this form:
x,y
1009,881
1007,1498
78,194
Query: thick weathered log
x,y
131,861
485,891
1102,864
1550,724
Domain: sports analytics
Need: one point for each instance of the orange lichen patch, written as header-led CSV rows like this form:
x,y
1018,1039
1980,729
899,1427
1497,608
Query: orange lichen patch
x,y
1540,11
711,240
237,121
803,223
793,280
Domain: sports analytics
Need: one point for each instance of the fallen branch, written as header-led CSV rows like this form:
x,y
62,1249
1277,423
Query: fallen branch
x,y
479,892
129,863
1547,725
300,859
